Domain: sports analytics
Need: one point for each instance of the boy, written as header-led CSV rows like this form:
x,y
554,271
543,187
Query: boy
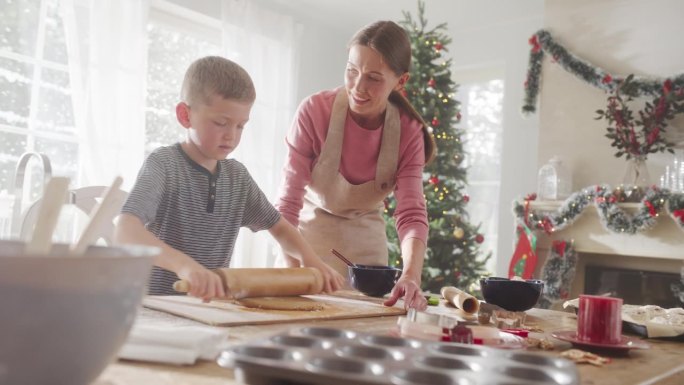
x,y
190,201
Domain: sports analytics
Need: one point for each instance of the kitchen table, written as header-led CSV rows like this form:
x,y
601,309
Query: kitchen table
x,y
662,364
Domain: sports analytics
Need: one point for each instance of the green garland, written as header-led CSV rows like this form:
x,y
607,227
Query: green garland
x,y
542,43
613,217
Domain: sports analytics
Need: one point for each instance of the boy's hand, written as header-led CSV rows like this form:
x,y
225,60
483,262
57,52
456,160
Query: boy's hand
x,y
410,290
204,283
332,280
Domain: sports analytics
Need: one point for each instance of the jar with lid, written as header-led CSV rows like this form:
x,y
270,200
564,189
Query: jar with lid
x,y
554,181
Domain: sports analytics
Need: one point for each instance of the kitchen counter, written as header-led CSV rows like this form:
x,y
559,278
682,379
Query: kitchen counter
x,y
662,364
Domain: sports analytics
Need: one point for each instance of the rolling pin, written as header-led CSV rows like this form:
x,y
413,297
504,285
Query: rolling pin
x,y
265,282
461,299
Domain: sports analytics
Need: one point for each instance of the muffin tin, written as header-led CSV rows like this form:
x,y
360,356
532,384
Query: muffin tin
x,y
317,355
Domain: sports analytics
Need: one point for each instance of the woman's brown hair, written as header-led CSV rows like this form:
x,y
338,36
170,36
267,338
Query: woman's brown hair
x,y
392,42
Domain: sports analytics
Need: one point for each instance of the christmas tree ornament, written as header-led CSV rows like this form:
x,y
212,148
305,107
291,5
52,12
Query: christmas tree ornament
x,y
431,83
434,180
438,46
435,122
458,233
479,238
466,198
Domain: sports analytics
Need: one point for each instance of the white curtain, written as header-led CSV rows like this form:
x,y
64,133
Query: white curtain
x,y
107,48
266,45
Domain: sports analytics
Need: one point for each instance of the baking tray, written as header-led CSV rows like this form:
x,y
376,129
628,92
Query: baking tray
x,y
317,355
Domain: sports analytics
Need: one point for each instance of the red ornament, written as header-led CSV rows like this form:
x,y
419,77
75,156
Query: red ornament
x,y
479,238
679,214
438,46
435,122
431,83
607,79
458,116
667,86
534,42
457,274
466,198
433,180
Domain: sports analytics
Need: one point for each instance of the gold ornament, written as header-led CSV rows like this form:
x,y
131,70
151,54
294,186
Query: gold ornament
x,y
458,233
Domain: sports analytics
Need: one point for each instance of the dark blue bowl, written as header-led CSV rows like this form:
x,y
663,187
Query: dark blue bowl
x,y
512,295
373,281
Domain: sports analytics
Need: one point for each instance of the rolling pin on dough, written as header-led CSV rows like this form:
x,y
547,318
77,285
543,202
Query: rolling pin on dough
x,y
265,282
461,299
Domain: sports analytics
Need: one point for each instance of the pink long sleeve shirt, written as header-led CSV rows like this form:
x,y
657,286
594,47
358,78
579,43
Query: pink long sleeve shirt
x,y
360,151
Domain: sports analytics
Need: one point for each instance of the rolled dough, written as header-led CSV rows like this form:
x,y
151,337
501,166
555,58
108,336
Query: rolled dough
x,y
281,303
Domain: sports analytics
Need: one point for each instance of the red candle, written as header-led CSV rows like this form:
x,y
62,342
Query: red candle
x,y
599,319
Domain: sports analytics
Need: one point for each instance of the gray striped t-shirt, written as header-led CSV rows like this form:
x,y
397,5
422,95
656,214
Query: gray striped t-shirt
x,y
196,212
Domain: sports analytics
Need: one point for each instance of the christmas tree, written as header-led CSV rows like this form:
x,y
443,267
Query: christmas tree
x,y
453,243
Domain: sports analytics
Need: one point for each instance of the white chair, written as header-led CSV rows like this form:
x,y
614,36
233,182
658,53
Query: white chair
x,y
84,199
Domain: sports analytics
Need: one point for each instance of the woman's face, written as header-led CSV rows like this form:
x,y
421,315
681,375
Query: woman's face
x,y
369,81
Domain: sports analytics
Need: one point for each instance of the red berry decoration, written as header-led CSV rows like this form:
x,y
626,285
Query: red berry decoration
x,y
435,122
431,83
433,180
479,238
466,198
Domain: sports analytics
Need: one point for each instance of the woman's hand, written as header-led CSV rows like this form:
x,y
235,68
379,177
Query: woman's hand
x,y
204,283
408,288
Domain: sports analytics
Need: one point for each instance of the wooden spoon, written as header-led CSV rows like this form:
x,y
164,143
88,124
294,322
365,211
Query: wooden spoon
x,y
54,196
102,214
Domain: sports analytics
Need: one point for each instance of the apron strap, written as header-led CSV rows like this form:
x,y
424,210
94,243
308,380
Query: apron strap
x,y
331,152
388,160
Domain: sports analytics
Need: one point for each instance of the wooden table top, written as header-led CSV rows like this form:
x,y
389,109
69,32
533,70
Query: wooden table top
x,y
662,364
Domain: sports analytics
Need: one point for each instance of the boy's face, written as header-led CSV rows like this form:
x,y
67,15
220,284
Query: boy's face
x,y
214,129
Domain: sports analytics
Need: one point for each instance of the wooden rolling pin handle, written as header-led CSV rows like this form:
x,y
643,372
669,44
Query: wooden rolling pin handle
x,y
264,282
181,286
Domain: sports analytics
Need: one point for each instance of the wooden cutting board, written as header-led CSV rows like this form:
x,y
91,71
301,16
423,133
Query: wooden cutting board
x,y
224,313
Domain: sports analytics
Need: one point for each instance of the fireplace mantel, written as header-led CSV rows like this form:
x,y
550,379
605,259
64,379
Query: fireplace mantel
x,y
665,240
659,249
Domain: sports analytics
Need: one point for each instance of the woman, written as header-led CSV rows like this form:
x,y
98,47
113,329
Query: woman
x,y
349,148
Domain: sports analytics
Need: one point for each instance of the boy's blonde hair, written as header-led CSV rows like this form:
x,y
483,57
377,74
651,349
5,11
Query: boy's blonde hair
x,y
216,75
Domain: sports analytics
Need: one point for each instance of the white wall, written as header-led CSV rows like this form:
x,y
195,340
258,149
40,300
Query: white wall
x,y
621,36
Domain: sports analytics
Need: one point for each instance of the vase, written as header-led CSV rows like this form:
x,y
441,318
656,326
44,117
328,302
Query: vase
x,y
636,178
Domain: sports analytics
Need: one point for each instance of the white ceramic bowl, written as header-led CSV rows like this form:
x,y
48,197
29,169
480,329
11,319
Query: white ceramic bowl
x,y
63,319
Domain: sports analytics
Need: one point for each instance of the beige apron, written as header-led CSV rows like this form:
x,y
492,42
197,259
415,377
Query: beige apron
x,y
343,216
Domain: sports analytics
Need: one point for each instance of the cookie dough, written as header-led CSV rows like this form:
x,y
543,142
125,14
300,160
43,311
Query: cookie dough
x,y
281,303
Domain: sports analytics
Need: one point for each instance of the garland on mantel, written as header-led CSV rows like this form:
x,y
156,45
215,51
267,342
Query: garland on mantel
x,y
613,217
542,43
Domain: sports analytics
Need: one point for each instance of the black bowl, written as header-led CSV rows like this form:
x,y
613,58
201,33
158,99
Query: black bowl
x,y
374,281
512,295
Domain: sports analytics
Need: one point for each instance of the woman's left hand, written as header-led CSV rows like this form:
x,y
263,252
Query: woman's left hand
x,y
409,289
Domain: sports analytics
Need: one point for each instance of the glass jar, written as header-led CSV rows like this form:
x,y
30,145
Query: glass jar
x,y
554,181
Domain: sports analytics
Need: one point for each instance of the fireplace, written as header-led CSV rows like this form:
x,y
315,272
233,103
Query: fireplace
x,y
643,268
636,287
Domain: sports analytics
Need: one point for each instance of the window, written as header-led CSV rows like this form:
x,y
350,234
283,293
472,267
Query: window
x,y
36,111
481,119
174,43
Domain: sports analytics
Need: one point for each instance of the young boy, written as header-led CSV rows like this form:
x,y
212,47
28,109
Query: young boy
x,y
190,201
